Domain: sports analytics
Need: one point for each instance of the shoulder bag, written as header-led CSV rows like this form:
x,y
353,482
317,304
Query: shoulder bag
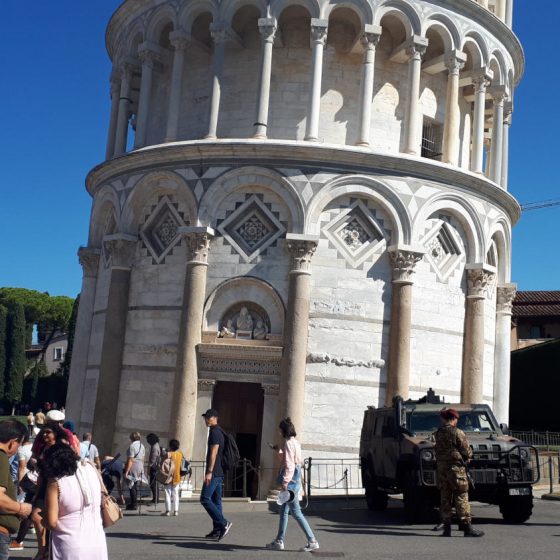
x,y
110,510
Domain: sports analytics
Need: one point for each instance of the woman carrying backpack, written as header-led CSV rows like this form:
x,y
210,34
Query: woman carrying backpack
x,y
290,480
172,488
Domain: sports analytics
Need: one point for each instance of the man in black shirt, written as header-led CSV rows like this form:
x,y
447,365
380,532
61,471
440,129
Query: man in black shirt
x,y
211,494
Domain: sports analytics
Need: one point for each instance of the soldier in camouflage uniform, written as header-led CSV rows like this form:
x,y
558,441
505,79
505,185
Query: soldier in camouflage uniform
x,y
452,454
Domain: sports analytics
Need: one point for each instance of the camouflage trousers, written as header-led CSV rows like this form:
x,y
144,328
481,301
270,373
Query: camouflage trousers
x,y
454,491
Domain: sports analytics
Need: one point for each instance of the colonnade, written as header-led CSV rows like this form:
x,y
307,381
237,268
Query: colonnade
x,y
503,9
411,52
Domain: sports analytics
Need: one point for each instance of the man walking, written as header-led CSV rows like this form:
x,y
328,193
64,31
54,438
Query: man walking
x,y
452,454
211,494
88,451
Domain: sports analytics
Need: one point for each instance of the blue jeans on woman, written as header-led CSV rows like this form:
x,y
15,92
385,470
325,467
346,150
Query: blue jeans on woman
x,y
4,546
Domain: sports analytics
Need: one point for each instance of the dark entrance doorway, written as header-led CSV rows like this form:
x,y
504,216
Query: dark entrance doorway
x,y
240,406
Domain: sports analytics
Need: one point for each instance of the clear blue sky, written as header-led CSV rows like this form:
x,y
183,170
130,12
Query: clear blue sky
x,y
54,115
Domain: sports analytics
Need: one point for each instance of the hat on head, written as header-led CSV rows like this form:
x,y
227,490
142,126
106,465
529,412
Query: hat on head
x,y
449,414
286,496
211,413
55,415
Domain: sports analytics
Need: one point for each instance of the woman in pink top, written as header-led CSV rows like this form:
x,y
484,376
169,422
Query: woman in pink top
x,y
73,510
290,479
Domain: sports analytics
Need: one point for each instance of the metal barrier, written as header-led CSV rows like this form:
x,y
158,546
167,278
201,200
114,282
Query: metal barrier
x,y
332,475
538,439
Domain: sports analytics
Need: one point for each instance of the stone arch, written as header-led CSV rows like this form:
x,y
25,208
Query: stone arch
x,y
192,10
244,289
478,40
368,188
510,84
498,65
278,6
445,28
106,202
135,38
157,183
160,19
458,207
475,56
234,180
360,7
229,9
345,28
404,11
500,233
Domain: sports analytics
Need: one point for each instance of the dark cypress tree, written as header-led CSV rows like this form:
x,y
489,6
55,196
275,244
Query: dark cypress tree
x,y
15,353
65,367
3,325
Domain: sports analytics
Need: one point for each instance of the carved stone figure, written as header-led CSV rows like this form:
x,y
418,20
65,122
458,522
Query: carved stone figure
x,y
244,321
228,330
260,332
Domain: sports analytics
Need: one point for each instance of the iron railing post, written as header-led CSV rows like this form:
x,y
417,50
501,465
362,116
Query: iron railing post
x,y
550,475
244,478
309,477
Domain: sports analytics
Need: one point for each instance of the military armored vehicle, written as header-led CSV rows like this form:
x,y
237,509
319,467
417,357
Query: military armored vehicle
x,y
397,456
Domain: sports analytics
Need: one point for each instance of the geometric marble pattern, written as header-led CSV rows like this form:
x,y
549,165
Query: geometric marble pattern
x,y
355,233
443,249
251,228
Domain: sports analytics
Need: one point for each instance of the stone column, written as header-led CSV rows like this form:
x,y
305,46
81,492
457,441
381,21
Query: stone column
x,y
318,42
505,145
403,261
267,29
124,110
498,96
501,9
479,280
505,295
148,57
220,37
180,42
115,90
120,250
415,52
483,3
205,389
509,13
452,125
487,147
477,157
370,40
89,259
294,358
183,412
268,462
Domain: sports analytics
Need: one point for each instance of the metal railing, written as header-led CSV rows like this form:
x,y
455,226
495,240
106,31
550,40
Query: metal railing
x,y
333,476
538,439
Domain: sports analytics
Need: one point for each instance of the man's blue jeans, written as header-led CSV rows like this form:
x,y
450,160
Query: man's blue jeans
x,y
4,546
211,500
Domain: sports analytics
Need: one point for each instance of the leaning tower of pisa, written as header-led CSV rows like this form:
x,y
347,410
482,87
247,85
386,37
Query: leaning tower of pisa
x,y
303,211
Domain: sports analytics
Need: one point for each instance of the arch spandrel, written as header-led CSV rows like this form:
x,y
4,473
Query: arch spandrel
x,y
403,10
106,202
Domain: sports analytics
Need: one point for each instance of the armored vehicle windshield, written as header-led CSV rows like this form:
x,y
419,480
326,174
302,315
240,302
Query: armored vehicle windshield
x,y
429,421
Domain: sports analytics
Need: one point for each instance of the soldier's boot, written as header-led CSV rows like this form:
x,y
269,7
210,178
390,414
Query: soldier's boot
x,y
469,531
446,530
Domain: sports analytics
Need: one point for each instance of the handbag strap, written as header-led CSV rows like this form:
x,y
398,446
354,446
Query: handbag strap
x,y
103,487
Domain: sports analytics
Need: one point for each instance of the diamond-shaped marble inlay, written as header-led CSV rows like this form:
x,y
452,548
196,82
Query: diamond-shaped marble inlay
x,y
443,250
251,228
355,233
160,232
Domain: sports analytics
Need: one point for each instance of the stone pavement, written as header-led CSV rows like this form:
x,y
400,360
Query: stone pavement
x,y
352,533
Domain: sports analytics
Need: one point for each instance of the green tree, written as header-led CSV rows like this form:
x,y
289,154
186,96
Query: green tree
x,y
3,325
15,353
31,383
65,366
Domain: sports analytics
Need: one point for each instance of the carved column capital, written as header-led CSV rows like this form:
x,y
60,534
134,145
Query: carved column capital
x,y
498,94
222,34
455,62
206,385
89,260
371,36
198,242
180,40
267,29
480,83
319,29
271,390
301,248
403,261
505,296
120,250
416,48
149,54
480,280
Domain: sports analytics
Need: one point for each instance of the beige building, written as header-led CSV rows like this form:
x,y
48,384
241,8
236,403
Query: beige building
x,y
303,211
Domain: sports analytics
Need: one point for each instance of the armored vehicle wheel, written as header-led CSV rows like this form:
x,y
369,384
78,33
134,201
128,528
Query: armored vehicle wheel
x,y
417,507
516,509
376,499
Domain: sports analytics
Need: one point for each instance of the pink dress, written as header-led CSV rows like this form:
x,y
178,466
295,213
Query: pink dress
x,y
79,533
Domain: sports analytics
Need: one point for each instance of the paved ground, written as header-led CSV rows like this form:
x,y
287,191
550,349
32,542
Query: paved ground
x,y
343,533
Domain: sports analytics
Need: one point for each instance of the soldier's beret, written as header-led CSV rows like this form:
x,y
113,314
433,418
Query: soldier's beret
x,y
449,414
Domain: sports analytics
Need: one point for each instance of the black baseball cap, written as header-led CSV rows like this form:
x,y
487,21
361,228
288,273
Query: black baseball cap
x,y
211,413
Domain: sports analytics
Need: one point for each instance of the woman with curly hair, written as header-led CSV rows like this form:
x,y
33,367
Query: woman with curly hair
x,y
73,506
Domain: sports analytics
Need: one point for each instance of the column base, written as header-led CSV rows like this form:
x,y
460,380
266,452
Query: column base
x,y
169,140
259,136
362,144
210,137
411,152
311,139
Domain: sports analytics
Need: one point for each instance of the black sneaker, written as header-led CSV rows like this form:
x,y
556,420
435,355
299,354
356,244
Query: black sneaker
x,y
213,534
224,531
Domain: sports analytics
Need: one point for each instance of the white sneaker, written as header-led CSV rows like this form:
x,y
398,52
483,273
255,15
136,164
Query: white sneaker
x,y
175,513
275,545
311,545
165,514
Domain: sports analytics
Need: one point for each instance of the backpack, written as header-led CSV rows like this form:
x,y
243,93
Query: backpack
x,y
166,470
230,453
185,467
